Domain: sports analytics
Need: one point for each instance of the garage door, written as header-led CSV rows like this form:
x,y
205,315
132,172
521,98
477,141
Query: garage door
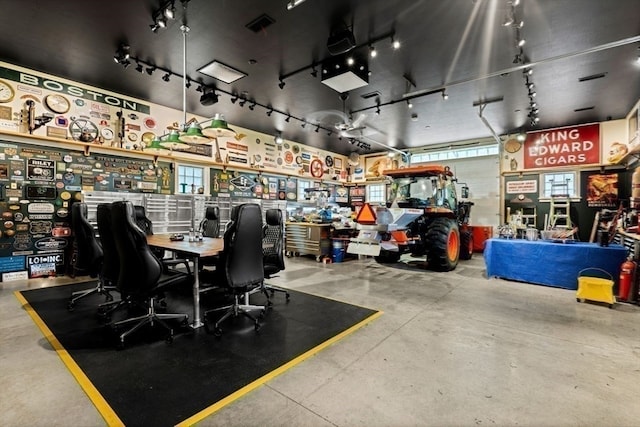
x,y
482,176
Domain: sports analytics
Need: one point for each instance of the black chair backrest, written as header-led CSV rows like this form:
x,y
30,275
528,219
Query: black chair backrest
x,y
111,260
142,221
140,270
210,225
273,242
243,247
88,254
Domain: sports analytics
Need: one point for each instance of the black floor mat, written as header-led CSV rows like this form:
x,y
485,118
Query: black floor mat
x,y
154,383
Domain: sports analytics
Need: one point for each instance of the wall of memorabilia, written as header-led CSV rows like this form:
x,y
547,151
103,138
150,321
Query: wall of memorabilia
x,y
43,105
38,186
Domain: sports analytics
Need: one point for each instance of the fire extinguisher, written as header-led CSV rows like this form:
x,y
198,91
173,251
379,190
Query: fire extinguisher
x,y
627,272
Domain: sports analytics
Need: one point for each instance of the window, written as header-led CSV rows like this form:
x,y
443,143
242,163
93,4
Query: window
x,y
302,184
376,193
454,153
559,184
190,179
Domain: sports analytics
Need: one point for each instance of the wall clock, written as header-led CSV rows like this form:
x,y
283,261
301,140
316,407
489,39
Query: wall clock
x,y
57,103
107,133
6,92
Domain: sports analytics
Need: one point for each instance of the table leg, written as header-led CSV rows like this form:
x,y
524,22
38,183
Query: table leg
x,y
197,322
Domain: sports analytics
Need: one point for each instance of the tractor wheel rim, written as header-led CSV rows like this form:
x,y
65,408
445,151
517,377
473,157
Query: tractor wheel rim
x,y
452,246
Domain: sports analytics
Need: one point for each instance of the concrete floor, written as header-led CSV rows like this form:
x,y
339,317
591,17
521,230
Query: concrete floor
x,y
451,349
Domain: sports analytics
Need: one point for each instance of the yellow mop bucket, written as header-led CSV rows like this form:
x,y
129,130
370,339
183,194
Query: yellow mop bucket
x,y
595,288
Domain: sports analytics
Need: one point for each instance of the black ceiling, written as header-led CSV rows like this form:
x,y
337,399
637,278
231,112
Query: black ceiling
x,y
460,45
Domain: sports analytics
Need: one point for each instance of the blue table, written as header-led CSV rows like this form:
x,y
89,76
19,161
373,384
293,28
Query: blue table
x,y
549,263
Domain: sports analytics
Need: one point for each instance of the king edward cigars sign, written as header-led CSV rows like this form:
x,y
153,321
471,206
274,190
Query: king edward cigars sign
x,y
569,146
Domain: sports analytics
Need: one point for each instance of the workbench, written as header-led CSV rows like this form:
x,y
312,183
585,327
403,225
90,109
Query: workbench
x,y
550,263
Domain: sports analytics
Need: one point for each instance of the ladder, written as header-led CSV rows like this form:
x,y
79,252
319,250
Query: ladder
x,y
559,208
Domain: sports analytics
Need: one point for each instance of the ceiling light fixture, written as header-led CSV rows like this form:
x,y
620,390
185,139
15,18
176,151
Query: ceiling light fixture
x,y
234,98
209,97
288,119
395,44
170,11
139,67
314,71
409,104
150,69
294,3
281,84
166,77
278,139
317,128
122,55
378,111
303,125
252,106
369,43
269,112
242,102
372,51
445,96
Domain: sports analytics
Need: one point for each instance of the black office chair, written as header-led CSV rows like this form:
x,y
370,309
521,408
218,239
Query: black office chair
x,y
145,224
141,276
110,260
240,266
88,255
210,225
273,251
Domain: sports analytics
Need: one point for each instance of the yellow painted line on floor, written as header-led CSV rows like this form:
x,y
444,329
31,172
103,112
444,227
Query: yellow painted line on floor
x,y
260,381
101,404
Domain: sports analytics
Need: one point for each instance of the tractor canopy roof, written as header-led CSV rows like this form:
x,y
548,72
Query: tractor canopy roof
x,y
418,171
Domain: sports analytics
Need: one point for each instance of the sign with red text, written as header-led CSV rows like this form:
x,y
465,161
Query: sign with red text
x,y
524,186
569,146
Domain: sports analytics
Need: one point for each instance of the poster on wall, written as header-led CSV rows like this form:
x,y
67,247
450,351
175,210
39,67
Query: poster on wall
x,y
568,146
602,191
252,185
375,166
357,195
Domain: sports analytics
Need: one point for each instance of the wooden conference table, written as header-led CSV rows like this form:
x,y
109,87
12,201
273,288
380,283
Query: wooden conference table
x,y
194,251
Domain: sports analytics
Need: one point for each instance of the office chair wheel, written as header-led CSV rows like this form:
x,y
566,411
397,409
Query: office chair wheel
x,y
169,339
108,297
217,332
120,345
71,305
287,296
256,326
262,314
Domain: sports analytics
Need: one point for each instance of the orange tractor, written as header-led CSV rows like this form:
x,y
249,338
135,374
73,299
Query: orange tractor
x,y
423,217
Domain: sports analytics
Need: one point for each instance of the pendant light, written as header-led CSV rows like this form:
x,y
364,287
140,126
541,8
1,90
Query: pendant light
x,y
218,128
156,144
174,141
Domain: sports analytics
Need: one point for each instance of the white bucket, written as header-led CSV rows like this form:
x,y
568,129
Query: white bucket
x,y
531,234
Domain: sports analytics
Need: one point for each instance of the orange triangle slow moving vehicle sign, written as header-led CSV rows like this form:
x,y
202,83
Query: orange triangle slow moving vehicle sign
x,y
366,215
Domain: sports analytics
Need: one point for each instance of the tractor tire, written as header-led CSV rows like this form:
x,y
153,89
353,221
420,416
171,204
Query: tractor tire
x,y
387,257
466,245
443,241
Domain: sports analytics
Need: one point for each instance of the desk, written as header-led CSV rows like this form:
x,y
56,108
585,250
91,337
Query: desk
x,y
549,263
194,250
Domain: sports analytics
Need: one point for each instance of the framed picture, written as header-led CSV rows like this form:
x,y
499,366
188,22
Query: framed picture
x,y
337,163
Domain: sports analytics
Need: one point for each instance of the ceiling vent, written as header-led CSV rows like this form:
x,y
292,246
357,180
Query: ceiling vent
x,y
345,72
260,23
578,110
222,72
592,77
